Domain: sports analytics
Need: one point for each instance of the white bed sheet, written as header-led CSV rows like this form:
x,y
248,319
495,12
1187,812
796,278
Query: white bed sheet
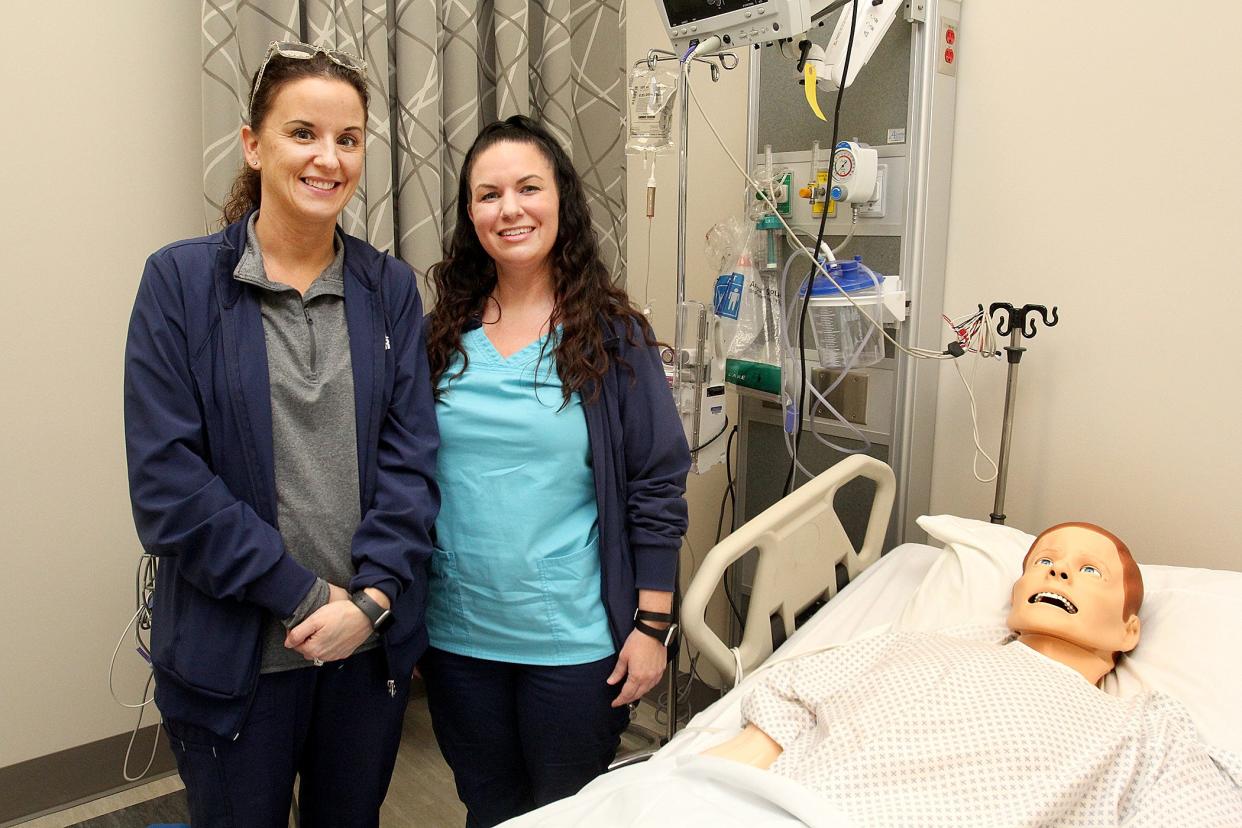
x,y
875,598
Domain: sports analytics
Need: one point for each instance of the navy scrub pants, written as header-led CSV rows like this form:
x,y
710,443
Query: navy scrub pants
x,y
336,725
519,736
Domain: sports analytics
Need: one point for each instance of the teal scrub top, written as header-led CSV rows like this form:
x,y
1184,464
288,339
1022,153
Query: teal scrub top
x,y
515,575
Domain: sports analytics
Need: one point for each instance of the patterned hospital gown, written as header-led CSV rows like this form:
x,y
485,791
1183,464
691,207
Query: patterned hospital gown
x,y
925,729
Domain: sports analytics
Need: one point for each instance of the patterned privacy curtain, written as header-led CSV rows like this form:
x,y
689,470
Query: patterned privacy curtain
x,y
439,70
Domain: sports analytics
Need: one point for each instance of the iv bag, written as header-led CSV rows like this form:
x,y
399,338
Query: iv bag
x,y
745,301
651,95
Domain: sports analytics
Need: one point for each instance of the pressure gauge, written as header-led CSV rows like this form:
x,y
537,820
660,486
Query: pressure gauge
x,y
843,163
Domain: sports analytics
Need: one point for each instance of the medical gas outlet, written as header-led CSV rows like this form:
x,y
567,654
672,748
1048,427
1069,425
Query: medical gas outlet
x,y
855,173
856,179
817,193
779,193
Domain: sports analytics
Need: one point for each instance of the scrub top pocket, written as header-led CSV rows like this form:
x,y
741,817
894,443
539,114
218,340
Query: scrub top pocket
x,y
444,607
577,622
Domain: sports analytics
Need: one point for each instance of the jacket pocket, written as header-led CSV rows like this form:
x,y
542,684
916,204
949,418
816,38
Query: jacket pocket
x,y
214,645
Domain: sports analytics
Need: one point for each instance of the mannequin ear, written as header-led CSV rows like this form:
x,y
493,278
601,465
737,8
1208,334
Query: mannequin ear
x,y
1130,639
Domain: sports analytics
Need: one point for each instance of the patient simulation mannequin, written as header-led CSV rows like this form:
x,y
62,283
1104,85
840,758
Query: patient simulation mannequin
x,y
1076,602
921,728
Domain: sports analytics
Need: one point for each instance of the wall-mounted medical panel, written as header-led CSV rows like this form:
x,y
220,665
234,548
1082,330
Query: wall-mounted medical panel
x,y
902,105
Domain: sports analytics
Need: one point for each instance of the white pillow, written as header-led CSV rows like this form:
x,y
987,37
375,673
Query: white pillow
x,y
1192,619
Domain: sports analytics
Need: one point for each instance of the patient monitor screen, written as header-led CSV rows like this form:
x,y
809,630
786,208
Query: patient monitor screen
x,y
681,12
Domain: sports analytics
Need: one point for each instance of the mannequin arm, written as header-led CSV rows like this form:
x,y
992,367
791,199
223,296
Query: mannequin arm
x,y
750,747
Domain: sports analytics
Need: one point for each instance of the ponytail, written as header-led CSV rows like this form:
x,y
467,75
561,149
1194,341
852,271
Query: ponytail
x,y
243,196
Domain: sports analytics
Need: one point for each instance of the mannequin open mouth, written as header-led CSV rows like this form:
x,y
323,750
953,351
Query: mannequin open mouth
x,y
1054,599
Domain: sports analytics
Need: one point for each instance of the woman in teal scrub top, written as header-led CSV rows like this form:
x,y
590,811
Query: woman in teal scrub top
x,y
562,470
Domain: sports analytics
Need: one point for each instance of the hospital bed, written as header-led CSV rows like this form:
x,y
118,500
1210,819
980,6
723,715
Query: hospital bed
x,y
962,577
802,545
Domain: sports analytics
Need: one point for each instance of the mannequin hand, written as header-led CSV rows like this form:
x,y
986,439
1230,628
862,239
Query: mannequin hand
x,y
641,662
331,633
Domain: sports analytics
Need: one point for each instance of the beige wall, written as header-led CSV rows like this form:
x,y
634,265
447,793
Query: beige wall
x,y
715,193
1095,169
101,149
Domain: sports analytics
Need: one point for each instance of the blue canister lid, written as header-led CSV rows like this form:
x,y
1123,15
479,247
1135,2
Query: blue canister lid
x,y
848,274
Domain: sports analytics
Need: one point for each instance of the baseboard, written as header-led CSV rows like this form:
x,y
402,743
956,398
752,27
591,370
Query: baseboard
x,y
79,774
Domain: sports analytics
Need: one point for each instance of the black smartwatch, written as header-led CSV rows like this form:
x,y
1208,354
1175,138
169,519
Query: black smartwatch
x,y
380,618
665,636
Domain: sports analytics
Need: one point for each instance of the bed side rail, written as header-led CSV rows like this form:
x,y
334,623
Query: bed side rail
x,y
800,541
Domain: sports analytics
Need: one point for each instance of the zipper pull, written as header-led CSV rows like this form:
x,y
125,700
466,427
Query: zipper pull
x,y
392,689
387,344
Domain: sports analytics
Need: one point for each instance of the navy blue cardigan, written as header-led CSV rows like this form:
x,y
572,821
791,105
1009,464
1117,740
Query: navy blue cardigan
x,y
640,460
198,434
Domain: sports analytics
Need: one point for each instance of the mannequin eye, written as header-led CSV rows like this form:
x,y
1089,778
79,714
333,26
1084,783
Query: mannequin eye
x,y
1044,562
1090,570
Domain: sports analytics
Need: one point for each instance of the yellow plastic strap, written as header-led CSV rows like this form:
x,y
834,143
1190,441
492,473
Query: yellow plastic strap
x,y
812,92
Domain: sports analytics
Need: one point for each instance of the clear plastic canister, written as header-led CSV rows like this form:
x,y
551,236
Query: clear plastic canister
x,y
843,336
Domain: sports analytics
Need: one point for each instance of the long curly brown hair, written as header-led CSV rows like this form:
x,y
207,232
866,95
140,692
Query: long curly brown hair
x,y
586,299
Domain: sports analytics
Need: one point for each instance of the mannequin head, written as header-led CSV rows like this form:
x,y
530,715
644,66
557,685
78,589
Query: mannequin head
x,y
1078,595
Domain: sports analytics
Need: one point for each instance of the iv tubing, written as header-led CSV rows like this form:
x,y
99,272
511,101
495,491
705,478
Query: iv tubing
x,y
787,398
917,353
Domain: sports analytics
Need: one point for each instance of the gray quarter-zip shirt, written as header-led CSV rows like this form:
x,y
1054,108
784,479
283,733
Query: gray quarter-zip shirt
x,y
314,433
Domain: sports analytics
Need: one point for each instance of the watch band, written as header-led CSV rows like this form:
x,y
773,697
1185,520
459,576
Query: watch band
x,y
664,636
379,617
649,615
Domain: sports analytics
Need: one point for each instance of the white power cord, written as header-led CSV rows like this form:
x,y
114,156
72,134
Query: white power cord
x,y
144,588
974,422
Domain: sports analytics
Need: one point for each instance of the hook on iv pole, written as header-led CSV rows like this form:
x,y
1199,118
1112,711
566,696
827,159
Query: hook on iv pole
x,y
1021,319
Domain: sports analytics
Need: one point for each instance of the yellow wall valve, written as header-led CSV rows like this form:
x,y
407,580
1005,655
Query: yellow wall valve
x,y
818,194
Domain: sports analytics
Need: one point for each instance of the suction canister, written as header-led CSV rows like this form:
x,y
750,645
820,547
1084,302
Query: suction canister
x,y
843,336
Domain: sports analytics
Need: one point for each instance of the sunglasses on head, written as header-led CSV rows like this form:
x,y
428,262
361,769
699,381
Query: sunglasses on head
x,y
304,51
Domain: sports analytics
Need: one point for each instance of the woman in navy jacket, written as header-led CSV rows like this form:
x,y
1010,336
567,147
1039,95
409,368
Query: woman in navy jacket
x,y
562,468
281,442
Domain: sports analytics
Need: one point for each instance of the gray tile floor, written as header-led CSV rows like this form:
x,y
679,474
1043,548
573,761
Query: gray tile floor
x,y
421,792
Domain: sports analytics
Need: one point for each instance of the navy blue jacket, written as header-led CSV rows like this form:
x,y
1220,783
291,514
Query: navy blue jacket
x,y
198,434
640,460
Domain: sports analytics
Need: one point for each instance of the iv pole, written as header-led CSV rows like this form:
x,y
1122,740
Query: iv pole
x,y
716,63
1015,323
